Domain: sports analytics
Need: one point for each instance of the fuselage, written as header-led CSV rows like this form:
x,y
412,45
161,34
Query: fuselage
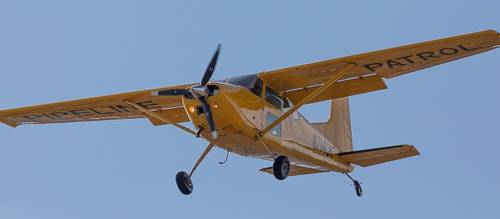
x,y
240,113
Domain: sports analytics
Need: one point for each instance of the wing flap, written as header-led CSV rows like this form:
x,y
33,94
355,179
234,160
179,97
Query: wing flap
x,y
109,107
295,170
385,63
374,156
176,115
339,89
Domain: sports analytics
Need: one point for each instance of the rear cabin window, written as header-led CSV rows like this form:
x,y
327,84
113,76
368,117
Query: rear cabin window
x,y
277,129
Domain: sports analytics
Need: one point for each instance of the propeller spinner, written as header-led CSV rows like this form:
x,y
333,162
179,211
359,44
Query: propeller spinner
x,y
199,91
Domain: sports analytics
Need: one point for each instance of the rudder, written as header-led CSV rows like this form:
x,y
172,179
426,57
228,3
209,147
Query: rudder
x,y
337,128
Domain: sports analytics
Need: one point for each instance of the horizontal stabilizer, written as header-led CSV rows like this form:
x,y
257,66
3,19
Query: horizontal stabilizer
x,y
295,170
374,156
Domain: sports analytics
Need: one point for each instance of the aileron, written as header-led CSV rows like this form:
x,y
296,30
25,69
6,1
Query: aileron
x,y
340,89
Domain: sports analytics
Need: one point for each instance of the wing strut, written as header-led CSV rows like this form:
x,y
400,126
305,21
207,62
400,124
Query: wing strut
x,y
309,97
158,116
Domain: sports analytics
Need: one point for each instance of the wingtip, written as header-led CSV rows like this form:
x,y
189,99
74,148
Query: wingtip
x,y
412,147
219,46
9,123
497,43
498,39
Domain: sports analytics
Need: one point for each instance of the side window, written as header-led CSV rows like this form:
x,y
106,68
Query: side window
x,y
277,129
273,98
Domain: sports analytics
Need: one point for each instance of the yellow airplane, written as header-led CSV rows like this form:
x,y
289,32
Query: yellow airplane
x,y
257,115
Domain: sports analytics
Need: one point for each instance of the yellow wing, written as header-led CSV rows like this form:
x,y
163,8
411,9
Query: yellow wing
x,y
99,108
298,81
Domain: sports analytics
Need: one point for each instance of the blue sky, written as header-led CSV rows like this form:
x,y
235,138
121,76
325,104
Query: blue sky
x,y
58,50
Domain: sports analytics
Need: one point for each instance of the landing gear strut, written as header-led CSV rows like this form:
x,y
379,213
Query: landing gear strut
x,y
357,186
183,179
281,167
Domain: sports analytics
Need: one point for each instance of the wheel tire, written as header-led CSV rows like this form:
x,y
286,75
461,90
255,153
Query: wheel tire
x,y
357,187
281,167
184,183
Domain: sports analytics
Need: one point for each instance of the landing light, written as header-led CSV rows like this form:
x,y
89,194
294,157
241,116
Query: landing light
x,y
215,105
192,109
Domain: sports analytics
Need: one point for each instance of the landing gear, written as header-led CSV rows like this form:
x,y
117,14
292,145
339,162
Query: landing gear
x,y
183,179
281,167
184,183
357,186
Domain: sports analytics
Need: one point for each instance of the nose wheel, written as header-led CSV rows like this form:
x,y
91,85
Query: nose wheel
x,y
281,167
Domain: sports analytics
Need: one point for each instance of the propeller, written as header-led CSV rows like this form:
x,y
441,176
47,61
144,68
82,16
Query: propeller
x,y
211,67
199,91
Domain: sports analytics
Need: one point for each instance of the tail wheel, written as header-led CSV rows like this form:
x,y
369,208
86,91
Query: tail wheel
x,y
357,187
281,167
184,183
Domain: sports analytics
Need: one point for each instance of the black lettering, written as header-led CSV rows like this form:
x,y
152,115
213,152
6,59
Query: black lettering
x,y
48,116
448,51
59,114
406,58
125,108
80,112
372,67
427,55
392,63
468,49
115,109
99,112
148,104
32,117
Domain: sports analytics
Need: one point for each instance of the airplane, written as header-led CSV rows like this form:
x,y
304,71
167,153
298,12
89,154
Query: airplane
x,y
257,115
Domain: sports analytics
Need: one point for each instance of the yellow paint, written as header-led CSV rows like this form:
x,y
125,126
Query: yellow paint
x,y
241,117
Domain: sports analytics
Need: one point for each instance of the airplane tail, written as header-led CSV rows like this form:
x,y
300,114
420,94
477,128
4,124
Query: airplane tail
x,y
338,127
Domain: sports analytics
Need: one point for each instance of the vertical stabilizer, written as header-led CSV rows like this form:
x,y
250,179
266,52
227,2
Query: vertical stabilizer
x,y
338,127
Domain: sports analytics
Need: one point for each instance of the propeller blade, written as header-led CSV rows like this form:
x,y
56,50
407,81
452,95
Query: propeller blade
x,y
211,67
208,114
171,92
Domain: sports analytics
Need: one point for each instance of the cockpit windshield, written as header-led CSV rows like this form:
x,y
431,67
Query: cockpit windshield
x,y
251,82
254,84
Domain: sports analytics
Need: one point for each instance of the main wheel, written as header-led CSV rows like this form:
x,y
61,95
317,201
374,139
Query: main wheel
x,y
357,187
184,183
281,167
